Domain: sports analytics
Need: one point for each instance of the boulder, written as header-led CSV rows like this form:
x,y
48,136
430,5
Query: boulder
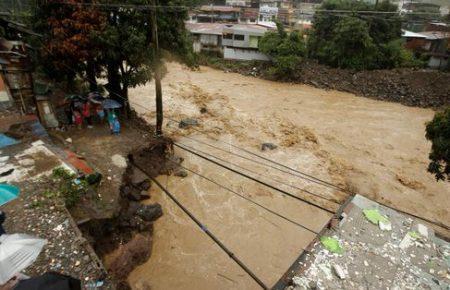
x,y
187,123
150,212
270,146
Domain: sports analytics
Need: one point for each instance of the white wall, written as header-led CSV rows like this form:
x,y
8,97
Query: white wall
x,y
243,54
437,62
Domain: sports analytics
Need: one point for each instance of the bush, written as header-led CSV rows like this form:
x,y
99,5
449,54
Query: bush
x,y
438,132
358,40
285,50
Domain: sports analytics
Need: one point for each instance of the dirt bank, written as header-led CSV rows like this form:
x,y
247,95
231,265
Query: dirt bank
x,y
412,87
375,148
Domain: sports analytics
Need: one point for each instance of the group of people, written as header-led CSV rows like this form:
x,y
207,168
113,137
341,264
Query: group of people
x,y
84,112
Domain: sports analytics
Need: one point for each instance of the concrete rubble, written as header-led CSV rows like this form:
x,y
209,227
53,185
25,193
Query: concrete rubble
x,y
43,216
407,256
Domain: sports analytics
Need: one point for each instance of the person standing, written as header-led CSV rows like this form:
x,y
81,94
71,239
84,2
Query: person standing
x,y
77,119
87,114
111,117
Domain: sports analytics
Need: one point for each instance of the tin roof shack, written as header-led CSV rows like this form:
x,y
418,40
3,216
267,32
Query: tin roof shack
x,y
206,37
16,73
241,42
211,14
434,44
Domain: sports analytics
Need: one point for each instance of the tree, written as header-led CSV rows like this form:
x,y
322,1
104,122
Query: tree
x,y
127,46
68,48
351,45
438,132
285,50
359,40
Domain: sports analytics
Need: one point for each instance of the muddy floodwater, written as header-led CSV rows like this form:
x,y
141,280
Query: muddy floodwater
x,y
375,148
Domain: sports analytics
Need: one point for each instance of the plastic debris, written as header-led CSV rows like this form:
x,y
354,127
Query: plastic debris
x,y
331,244
339,271
423,230
374,216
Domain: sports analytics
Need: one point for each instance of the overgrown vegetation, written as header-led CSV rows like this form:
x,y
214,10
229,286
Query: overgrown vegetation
x,y
70,189
358,40
286,51
438,132
90,42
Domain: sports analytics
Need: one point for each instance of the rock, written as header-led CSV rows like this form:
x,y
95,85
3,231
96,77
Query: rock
x,y
385,226
144,185
203,110
69,140
187,123
180,172
128,256
150,212
119,161
145,195
339,271
270,146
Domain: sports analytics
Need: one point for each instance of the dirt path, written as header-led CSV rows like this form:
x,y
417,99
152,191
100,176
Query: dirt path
x,y
375,148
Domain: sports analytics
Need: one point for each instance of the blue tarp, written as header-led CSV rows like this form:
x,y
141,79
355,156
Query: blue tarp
x,y
7,141
8,192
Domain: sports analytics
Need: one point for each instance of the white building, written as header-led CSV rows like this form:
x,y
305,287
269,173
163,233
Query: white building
x,y
232,41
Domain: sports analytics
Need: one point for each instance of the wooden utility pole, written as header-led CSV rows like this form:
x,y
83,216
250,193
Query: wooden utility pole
x,y
158,90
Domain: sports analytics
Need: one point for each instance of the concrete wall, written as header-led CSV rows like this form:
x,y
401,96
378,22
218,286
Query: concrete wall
x,y
437,62
243,54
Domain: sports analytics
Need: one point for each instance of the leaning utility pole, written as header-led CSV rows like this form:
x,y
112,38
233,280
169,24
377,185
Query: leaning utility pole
x,y
158,91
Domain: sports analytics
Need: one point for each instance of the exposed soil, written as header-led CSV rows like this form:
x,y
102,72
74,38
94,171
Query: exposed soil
x,y
377,149
412,87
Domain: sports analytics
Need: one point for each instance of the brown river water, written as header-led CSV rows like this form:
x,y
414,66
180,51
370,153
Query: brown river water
x,y
375,148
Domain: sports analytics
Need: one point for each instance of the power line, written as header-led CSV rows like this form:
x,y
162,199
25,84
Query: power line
x,y
248,199
310,178
260,174
204,229
196,8
254,179
233,191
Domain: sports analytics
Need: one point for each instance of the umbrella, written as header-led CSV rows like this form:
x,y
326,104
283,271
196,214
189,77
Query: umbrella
x,y
8,192
96,98
49,281
17,251
75,98
111,104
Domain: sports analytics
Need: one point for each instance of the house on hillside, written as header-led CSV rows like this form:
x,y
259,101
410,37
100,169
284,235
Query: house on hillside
x,y
206,37
212,13
241,42
230,41
434,44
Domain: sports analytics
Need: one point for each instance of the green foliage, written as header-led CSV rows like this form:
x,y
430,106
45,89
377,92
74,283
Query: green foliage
x,y
127,47
438,132
393,55
351,45
285,50
70,188
358,40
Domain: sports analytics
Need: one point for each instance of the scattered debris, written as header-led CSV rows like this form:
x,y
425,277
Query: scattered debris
x,y
270,146
339,271
119,161
187,123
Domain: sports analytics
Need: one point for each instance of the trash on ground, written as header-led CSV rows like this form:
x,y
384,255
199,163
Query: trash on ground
x,y
331,244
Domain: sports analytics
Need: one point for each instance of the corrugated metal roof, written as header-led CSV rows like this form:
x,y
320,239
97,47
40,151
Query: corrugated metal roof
x,y
218,28
410,34
433,35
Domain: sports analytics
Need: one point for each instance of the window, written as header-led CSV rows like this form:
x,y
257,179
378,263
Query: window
x,y
228,36
239,37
